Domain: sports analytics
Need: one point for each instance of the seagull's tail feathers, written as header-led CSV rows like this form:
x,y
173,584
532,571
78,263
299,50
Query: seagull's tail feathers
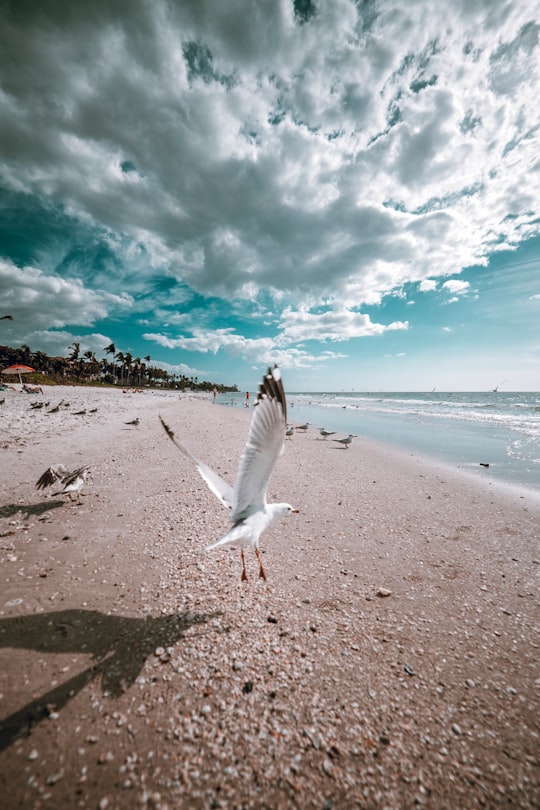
x,y
221,489
235,537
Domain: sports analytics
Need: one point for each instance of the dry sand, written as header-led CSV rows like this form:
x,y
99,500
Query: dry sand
x,y
138,671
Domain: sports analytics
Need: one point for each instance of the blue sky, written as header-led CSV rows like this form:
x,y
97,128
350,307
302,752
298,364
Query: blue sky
x,y
349,189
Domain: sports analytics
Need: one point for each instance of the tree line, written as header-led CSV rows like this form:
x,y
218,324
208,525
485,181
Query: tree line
x,y
116,368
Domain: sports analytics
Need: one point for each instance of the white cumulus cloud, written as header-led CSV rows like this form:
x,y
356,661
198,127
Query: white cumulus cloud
x,y
456,286
335,324
376,144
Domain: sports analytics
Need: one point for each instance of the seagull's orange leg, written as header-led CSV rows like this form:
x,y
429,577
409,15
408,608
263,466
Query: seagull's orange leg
x,y
262,572
244,574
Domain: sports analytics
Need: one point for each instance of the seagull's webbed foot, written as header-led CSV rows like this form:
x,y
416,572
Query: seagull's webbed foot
x,y
262,572
244,572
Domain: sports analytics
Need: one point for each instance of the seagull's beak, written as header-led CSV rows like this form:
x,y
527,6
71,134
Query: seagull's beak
x,y
295,511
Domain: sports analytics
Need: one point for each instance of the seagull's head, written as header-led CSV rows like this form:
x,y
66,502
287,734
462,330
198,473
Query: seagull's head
x,y
283,510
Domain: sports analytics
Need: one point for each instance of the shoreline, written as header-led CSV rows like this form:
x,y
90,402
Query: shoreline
x,y
466,474
137,669
468,470
461,443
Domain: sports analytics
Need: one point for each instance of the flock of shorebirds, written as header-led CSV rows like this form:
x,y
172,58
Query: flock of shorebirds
x,y
249,512
37,406
346,441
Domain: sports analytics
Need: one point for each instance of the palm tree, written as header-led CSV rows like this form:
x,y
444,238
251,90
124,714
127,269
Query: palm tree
x,y
128,362
75,350
24,355
111,349
137,367
104,366
73,365
121,359
58,365
146,368
41,361
92,362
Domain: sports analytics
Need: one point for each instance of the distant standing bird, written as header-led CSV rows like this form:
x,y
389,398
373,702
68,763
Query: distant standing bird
x,y
346,441
325,433
289,432
250,512
303,427
56,408
69,481
133,422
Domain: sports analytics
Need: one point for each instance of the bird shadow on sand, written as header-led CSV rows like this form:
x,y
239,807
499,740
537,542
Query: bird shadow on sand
x,y
37,509
119,646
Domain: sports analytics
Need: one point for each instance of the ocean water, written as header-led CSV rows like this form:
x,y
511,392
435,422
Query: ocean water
x,y
501,429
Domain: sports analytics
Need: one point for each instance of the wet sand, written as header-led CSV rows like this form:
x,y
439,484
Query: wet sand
x,y
389,661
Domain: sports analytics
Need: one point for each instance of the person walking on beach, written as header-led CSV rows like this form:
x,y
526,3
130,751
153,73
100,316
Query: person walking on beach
x,y
215,394
247,399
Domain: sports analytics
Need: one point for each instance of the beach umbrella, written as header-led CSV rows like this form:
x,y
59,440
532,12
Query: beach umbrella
x,y
19,369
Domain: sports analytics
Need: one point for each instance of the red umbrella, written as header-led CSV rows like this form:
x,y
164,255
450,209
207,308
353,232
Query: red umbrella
x,y
19,369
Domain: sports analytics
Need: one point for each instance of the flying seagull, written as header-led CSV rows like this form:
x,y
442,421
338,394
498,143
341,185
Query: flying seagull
x,y
69,481
250,513
346,441
325,433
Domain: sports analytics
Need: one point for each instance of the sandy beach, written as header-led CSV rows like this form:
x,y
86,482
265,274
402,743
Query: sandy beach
x,y
390,661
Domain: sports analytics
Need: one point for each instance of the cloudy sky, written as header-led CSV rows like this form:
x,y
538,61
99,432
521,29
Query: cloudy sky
x,y
347,188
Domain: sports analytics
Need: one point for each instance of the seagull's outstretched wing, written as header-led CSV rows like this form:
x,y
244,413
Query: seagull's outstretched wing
x,y
50,476
221,489
264,446
71,477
